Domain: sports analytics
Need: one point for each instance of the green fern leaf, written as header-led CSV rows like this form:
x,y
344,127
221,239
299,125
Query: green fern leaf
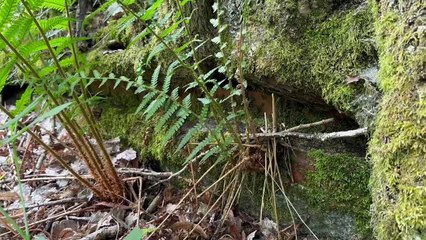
x,y
150,12
7,10
200,146
4,73
17,31
167,80
58,5
138,37
146,99
213,151
155,75
24,101
175,94
35,4
53,23
99,10
166,117
153,107
155,51
187,101
175,128
188,136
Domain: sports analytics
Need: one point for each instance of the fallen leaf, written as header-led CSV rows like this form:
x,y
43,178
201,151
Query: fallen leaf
x,y
353,79
9,196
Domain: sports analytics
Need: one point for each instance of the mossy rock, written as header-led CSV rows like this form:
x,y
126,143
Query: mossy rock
x,y
398,146
305,50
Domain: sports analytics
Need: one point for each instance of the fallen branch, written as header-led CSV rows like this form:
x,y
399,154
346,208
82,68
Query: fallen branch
x,y
308,125
144,172
314,136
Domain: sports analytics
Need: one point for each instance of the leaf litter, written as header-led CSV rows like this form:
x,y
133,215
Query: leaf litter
x,y
58,207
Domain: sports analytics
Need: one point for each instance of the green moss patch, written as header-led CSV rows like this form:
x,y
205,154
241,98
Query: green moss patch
x,y
313,56
340,182
398,146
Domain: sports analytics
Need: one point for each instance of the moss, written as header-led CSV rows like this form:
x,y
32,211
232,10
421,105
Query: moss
x,y
122,63
398,147
312,53
340,182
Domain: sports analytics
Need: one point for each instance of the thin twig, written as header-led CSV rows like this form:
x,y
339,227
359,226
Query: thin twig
x,y
308,125
52,203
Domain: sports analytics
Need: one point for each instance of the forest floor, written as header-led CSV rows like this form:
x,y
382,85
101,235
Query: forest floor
x,y
58,207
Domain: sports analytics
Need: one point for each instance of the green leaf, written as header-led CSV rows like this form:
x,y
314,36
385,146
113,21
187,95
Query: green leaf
x,y
204,101
154,106
58,5
5,72
150,12
7,10
24,101
155,75
138,233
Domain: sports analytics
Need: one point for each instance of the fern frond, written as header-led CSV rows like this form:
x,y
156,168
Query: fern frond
x,y
202,118
35,4
150,12
99,10
24,101
175,127
213,151
146,99
200,146
167,80
166,117
17,31
7,10
187,101
53,23
58,5
155,52
5,72
155,75
154,106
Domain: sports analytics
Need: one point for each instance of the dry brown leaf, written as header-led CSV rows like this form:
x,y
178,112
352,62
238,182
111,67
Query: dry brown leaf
x,y
9,196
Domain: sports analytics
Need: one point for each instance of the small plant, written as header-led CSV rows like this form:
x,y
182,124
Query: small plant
x,y
36,52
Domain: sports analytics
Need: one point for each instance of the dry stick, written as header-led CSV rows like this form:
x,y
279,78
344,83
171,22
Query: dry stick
x,y
183,199
315,136
292,206
213,205
222,177
51,203
274,158
308,125
265,181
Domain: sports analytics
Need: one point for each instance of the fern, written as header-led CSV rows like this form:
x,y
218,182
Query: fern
x,y
7,10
